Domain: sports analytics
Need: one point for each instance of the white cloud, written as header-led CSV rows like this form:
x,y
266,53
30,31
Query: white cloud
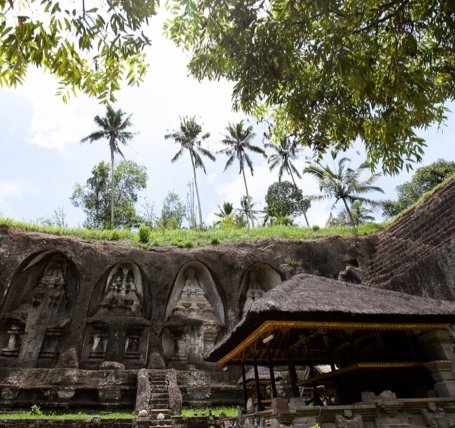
x,y
9,190
54,124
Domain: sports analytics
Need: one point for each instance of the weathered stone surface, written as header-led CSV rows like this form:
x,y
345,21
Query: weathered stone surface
x,y
112,365
68,359
127,304
143,392
175,395
279,406
416,253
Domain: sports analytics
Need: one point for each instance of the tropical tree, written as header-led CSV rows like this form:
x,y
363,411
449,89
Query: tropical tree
x,y
112,127
238,142
359,211
425,178
96,195
246,210
344,183
285,152
284,200
226,210
189,137
329,72
225,214
173,212
88,46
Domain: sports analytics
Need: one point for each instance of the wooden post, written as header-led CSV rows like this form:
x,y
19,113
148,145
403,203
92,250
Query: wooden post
x,y
293,377
272,374
245,394
259,405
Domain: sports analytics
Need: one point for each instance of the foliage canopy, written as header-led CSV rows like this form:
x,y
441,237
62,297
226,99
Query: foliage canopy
x,y
88,46
285,199
95,196
173,212
327,72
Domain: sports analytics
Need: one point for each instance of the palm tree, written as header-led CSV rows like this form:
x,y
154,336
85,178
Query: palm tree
x,y
226,212
237,142
113,127
189,137
344,183
285,152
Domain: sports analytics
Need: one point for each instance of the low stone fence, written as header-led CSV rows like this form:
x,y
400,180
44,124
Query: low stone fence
x,y
385,412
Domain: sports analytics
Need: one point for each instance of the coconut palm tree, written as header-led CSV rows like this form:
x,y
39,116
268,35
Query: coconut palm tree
x,y
112,127
238,142
226,210
344,183
189,137
285,152
226,213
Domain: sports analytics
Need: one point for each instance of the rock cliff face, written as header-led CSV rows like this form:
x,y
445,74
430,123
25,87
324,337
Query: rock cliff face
x,y
416,254
143,308
68,305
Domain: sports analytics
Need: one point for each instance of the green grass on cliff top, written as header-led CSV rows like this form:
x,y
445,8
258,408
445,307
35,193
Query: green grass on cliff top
x,y
64,417
197,238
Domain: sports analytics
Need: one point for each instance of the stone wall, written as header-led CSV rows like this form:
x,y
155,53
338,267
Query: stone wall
x,y
416,253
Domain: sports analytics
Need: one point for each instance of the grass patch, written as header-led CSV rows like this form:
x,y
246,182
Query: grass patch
x,y
215,411
198,238
65,416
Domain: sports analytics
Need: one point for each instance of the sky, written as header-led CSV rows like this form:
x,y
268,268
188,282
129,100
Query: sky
x,y
42,158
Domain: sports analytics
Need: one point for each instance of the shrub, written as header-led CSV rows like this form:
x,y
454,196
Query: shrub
x,y
144,234
36,410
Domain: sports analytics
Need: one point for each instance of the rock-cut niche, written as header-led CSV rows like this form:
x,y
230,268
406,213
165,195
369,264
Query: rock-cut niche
x,y
256,281
195,316
38,309
117,326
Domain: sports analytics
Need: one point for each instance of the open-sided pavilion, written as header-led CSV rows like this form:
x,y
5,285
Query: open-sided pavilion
x,y
373,340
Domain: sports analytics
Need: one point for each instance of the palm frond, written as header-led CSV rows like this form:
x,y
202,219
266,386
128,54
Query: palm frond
x,y
177,155
229,162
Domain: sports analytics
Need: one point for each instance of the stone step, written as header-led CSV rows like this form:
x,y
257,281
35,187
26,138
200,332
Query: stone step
x,y
158,395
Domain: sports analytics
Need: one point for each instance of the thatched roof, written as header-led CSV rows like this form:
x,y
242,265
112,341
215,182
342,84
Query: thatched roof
x,y
312,298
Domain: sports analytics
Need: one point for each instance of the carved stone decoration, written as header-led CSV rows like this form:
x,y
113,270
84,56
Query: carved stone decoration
x,y
192,303
254,292
123,289
42,313
257,280
50,343
98,342
14,340
132,344
194,320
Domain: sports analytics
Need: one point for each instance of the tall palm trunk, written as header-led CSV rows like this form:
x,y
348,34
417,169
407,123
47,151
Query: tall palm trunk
x,y
349,213
248,199
112,183
295,185
197,190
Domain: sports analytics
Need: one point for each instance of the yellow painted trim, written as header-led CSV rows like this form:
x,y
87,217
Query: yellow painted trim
x,y
359,366
268,326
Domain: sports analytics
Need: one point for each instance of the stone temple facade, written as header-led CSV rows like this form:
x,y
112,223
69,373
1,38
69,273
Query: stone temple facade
x,y
79,319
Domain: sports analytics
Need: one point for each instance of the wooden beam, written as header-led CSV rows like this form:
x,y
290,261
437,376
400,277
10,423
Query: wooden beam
x,y
270,326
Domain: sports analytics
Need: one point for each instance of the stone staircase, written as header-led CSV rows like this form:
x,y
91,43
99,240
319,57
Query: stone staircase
x,y
160,412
